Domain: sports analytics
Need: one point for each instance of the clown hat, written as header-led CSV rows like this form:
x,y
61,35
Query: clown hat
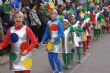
x,y
60,18
84,8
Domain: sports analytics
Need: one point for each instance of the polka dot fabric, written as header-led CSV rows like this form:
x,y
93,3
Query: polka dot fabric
x,y
14,37
54,27
23,46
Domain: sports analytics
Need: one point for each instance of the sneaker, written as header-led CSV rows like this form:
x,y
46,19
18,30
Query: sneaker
x,y
60,72
79,61
84,53
64,66
53,72
68,67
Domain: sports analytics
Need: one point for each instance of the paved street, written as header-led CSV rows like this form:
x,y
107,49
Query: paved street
x,y
96,61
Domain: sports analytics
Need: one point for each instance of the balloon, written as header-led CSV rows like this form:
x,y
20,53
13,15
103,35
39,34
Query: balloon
x,y
14,3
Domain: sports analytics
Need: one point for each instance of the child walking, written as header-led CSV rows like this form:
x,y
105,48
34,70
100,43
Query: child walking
x,y
18,36
54,32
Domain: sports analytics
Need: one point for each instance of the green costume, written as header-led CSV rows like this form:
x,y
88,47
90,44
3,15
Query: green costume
x,y
97,28
76,31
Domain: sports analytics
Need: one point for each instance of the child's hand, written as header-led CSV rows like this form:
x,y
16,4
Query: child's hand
x,y
24,53
40,44
74,46
52,41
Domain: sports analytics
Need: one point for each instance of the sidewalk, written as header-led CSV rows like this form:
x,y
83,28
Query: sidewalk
x,y
4,60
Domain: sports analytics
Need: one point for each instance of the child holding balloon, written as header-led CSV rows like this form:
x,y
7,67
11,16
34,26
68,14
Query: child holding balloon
x,y
18,36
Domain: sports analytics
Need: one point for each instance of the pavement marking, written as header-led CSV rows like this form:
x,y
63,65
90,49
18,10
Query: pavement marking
x,y
83,60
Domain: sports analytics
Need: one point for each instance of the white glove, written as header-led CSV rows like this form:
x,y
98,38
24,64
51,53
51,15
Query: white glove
x,y
85,21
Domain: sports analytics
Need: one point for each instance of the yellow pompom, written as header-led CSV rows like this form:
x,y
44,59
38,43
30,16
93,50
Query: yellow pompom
x,y
49,46
85,37
99,26
10,12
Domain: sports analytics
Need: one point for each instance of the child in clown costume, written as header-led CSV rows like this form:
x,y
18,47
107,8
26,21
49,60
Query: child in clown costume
x,y
76,31
97,28
54,32
96,24
18,36
92,18
102,22
86,28
108,23
67,45
107,19
92,15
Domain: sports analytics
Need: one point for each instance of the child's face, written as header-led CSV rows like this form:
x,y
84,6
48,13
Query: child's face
x,y
69,15
65,24
18,19
34,7
53,15
41,6
97,9
72,19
